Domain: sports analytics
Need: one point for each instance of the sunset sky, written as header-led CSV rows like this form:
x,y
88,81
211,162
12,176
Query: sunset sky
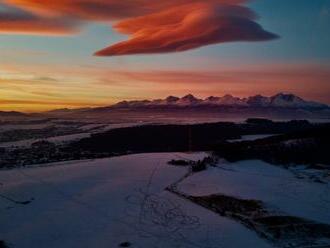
x,y
78,53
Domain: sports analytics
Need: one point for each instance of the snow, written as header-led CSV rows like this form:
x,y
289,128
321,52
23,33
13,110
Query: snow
x,y
85,204
252,137
277,187
86,132
229,100
279,100
290,100
57,139
8,127
91,126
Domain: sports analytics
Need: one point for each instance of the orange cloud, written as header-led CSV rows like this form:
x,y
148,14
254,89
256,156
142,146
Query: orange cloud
x,y
153,26
106,9
187,27
15,20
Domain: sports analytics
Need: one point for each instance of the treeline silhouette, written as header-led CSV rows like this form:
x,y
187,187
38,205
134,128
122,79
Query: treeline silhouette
x,y
308,146
294,142
193,137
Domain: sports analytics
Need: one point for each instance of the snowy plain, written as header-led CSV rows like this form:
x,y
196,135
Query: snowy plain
x,y
108,202
277,187
86,131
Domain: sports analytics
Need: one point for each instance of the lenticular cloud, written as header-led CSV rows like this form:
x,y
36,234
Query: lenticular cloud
x,y
151,26
187,27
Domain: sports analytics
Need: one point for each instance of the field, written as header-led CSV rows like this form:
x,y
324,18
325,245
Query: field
x,y
123,202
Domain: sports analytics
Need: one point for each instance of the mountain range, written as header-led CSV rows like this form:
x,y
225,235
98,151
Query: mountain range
x,y
279,104
280,100
12,114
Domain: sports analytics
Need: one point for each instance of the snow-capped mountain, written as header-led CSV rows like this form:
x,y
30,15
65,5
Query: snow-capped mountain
x,y
226,100
280,100
172,99
292,101
188,100
278,106
258,101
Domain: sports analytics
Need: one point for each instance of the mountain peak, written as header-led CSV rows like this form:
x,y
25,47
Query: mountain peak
x,y
288,100
189,100
280,100
258,101
172,99
285,96
189,97
228,96
212,98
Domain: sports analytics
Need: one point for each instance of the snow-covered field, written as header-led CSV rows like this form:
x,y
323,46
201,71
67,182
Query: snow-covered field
x,y
86,131
57,139
122,201
277,187
107,202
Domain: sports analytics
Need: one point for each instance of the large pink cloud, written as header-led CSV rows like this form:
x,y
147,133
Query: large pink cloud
x,y
107,9
187,27
152,26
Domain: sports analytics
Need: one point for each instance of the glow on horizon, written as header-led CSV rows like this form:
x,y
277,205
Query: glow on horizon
x,y
96,87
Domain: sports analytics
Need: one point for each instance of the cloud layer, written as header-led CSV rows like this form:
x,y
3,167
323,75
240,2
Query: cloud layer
x,y
151,26
187,27
16,20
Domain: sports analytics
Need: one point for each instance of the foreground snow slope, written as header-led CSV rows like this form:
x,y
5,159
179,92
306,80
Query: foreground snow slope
x,y
275,186
98,204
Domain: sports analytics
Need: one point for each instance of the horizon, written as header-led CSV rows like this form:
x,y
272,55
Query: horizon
x,y
155,99
59,55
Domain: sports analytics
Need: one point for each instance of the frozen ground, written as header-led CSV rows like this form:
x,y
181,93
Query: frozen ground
x,y
57,139
252,137
107,202
86,131
277,187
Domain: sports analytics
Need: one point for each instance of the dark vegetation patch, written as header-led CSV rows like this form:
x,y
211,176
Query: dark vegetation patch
x,y
179,162
280,229
3,244
195,166
309,146
168,138
125,244
229,205
160,138
199,166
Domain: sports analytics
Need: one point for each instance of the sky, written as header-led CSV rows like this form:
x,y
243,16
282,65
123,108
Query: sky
x,y
79,53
